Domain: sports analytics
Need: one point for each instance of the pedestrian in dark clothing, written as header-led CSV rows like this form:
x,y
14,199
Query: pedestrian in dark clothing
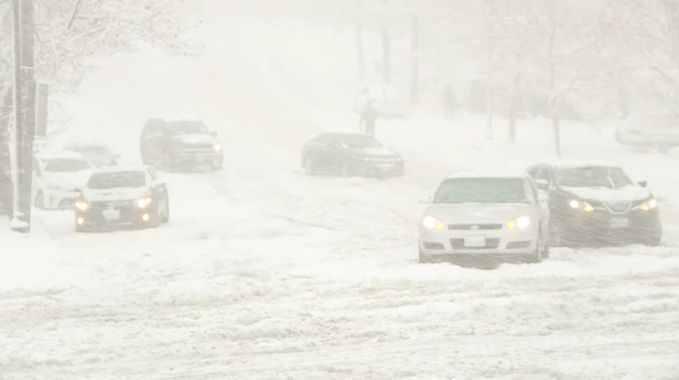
x,y
449,101
369,119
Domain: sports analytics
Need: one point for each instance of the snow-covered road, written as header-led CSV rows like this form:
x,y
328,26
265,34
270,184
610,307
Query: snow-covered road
x,y
266,273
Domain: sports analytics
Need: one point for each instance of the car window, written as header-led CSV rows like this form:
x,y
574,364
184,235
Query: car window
x,y
127,179
595,176
65,165
178,128
484,190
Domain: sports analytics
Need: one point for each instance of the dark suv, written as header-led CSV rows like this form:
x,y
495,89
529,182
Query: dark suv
x,y
180,144
595,204
350,155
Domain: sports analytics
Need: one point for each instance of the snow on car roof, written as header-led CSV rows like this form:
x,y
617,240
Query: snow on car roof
x,y
121,169
507,173
580,163
60,154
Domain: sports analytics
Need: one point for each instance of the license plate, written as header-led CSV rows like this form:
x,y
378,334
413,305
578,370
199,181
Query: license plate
x,y
111,215
619,223
475,241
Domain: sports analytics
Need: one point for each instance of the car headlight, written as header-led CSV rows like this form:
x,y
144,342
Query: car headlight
x,y
217,147
82,204
649,204
576,204
519,223
143,202
432,223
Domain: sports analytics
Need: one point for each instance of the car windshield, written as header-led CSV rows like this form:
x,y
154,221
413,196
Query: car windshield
x,y
595,176
131,179
66,165
177,128
360,142
483,190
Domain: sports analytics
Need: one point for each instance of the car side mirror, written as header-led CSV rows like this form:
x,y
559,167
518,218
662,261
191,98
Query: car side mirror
x,y
643,183
427,200
542,184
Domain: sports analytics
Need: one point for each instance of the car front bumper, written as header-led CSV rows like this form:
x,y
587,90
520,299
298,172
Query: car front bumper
x,y
602,226
213,159
114,215
382,169
498,244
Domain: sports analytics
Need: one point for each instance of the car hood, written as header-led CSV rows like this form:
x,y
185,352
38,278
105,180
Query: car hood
x,y
606,195
194,139
480,213
115,194
68,181
377,152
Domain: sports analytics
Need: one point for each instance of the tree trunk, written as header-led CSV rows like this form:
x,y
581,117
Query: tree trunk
x,y
386,60
5,177
512,119
415,61
360,51
553,101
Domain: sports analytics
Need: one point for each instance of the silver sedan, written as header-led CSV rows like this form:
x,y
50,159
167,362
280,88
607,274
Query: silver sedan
x,y
485,217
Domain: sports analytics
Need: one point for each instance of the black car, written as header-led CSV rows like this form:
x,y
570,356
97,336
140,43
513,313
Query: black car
x,y
350,155
597,203
122,197
181,144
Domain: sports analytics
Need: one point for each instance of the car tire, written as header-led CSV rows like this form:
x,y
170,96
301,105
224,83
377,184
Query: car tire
x,y
536,257
309,166
345,170
39,201
422,258
166,216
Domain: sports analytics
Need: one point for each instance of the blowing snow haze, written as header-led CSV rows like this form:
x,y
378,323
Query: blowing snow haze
x,y
339,189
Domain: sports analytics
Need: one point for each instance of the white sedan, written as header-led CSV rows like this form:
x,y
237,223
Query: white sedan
x,y
485,217
57,178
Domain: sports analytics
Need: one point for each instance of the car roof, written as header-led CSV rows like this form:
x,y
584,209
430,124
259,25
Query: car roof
x,y
508,173
121,169
344,134
60,154
566,164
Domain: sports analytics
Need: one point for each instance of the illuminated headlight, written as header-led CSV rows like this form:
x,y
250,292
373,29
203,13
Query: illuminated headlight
x,y
586,207
217,147
82,205
143,202
520,223
649,204
432,223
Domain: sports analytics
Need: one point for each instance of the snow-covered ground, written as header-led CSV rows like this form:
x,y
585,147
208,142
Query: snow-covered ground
x,y
264,272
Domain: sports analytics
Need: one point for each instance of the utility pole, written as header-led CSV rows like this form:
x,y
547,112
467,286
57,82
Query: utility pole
x,y
22,127
489,87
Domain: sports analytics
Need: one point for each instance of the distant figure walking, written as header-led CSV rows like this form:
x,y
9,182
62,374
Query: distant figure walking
x,y
369,119
449,101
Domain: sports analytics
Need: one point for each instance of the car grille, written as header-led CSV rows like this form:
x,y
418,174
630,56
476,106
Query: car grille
x,y
618,207
475,227
110,204
491,243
